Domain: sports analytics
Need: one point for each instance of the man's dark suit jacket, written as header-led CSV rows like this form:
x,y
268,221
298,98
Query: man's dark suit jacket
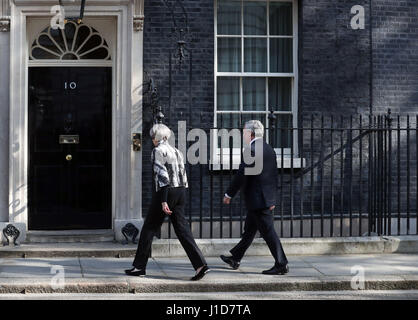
x,y
259,191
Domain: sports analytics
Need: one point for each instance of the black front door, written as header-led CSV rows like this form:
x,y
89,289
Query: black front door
x,y
70,176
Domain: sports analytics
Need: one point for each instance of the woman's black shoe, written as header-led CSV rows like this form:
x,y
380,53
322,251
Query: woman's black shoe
x,y
139,273
201,273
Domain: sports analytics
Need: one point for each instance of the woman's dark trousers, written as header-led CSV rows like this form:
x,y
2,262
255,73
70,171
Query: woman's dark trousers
x,y
176,201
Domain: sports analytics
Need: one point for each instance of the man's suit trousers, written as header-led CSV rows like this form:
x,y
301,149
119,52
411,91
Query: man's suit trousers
x,y
260,220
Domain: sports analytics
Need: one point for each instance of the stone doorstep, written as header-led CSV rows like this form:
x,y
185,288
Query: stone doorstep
x,y
215,247
145,285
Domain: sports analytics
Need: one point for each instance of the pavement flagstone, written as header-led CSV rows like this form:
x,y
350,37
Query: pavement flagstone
x,y
307,273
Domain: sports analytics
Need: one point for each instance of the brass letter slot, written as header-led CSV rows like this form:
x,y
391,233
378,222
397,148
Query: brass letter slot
x,y
69,139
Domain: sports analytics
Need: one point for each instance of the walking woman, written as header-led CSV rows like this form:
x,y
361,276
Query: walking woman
x,y
168,198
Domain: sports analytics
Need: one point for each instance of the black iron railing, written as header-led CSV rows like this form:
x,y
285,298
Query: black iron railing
x,y
351,176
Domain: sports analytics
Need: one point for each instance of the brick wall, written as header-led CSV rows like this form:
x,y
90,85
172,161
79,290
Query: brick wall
x,y
334,59
158,41
334,79
395,46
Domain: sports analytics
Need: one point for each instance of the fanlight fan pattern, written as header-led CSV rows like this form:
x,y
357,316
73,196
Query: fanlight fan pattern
x,y
74,42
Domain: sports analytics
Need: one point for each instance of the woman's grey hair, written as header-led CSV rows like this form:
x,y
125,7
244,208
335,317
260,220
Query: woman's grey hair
x,y
256,128
160,132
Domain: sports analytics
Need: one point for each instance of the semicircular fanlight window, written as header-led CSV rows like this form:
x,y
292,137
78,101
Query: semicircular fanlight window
x,y
75,42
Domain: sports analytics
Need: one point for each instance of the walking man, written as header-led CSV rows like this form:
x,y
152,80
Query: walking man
x,y
258,184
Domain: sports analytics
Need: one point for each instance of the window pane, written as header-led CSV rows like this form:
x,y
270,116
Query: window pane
x,y
255,18
82,34
228,94
236,121
229,122
56,34
280,136
281,18
281,59
280,94
39,53
254,91
229,17
229,54
254,116
46,42
255,55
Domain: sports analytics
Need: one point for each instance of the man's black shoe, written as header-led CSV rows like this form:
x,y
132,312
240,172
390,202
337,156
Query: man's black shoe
x,y
201,273
138,273
277,270
230,260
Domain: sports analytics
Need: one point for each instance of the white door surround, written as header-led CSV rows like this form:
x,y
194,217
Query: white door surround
x,y
127,45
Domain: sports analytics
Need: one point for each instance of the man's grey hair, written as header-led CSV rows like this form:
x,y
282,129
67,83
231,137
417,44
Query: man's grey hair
x,y
160,132
256,128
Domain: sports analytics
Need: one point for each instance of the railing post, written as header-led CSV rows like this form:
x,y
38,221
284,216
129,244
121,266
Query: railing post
x,y
408,176
312,175
230,147
200,188
332,176
350,174
321,174
398,167
370,175
301,156
221,225
360,200
380,176
389,176
342,175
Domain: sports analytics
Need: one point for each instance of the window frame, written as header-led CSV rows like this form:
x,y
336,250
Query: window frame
x,y
293,75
